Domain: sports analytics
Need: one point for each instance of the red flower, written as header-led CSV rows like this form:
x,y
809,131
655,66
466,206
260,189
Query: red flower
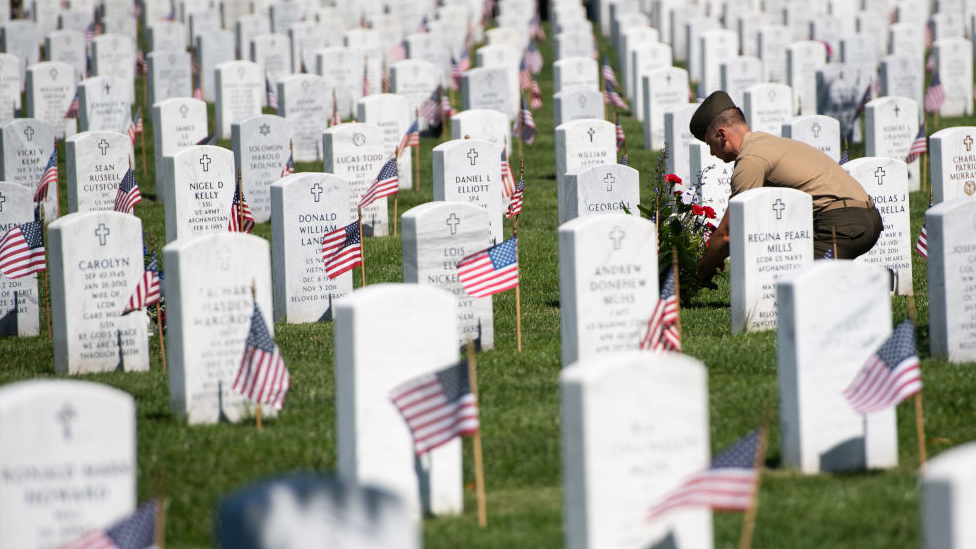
x,y
697,210
677,193
709,212
673,179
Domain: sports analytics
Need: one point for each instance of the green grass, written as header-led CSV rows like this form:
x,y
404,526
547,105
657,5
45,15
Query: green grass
x,y
520,401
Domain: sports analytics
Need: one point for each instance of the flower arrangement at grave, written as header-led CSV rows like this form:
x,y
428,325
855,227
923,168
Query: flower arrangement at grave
x,y
686,224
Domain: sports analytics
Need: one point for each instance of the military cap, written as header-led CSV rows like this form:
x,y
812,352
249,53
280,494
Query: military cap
x,y
709,109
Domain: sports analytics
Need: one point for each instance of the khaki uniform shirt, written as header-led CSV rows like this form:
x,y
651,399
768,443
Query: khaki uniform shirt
x,y
772,161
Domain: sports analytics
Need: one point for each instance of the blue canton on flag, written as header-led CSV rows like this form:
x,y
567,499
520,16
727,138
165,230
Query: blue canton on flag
x,y
135,531
490,271
890,375
128,194
437,406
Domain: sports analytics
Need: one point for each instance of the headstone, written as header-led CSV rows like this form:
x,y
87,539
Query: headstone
x,y
716,47
739,73
826,29
202,21
906,38
469,171
166,36
416,80
507,58
645,60
96,163
169,75
632,39
69,452
305,206
599,189
115,55
306,38
304,101
209,300
574,72
803,59
272,52
858,50
287,510
946,499
819,354
773,43
886,182
431,48
771,234
954,64
66,46
366,45
19,305
484,124
241,91
486,88
374,444
212,49
692,30
678,138
247,27
951,156
96,261
389,111
356,151
713,179
199,190
261,146
621,456
608,284
436,236
890,126
951,286
767,107
818,131
576,104
50,89
902,76
574,44
663,90
283,14
342,69
840,90
104,104
22,38
582,143
26,145
178,123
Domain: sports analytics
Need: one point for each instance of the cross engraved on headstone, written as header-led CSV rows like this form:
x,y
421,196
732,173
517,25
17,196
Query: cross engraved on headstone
x,y
103,146
108,88
452,222
205,162
264,129
223,256
184,110
2,200
668,78
582,101
778,207
591,131
897,110
609,179
54,73
472,156
29,133
102,233
968,142
771,94
316,191
617,236
879,175
65,415
816,129
241,71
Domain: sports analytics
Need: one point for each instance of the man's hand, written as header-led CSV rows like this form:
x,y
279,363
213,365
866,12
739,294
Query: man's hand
x,y
713,260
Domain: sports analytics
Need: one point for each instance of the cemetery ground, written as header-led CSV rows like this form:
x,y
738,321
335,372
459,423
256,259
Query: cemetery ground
x,y
519,398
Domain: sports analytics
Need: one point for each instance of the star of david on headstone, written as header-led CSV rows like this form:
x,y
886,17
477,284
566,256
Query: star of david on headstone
x,y
65,415
617,235
316,191
54,73
29,133
591,131
264,129
223,257
816,129
472,156
205,163
968,142
452,222
2,200
103,146
778,207
184,110
108,88
879,175
609,179
102,233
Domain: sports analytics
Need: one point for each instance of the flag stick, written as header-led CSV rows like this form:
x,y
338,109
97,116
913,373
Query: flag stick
x,y
254,296
925,168
447,119
159,311
416,155
519,130
677,291
833,240
518,300
57,190
749,521
240,204
396,198
920,429
479,467
362,251
142,138
44,283
159,527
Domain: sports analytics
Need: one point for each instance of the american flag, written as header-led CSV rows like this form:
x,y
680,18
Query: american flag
x,y
608,74
385,184
91,31
128,194
22,250
430,109
525,78
865,98
890,375
198,90
491,270
446,108
515,203
533,58
935,95
621,138
459,67
289,166
623,159
130,130
272,96
526,125
508,178
729,484
611,97
829,254
342,249
410,139
241,218
336,119
262,376
135,531
844,157
829,49
437,407
662,329
365,78
141,63
210,139
919,145
73,107
399,52
922,244
50,176
535,28
147,290
535,95
138,123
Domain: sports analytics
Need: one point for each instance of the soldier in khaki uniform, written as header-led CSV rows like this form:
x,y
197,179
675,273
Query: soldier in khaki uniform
x,y
839,202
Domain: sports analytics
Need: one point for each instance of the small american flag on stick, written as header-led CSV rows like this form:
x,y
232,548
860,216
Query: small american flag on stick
x,y
935,96
662,330
147,290
508,179
919,145
410,139
890,375
262,376
342,249
385,184
272,96
135,531
491,270
526,125
49,176
515,203
611,97
128,194
607,71
22,250
437,407
241,218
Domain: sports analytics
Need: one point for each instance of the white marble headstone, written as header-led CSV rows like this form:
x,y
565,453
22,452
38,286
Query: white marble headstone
x,y
115,55
890,127
169,75
241,92
19,302
469,171
356,151
389,111
819,131
574,72
304,101
951,156
50,89
484,124
199,191
767,106
104,104
599,189
645,60
261,146
954,63
96,163
947,503
713,178
951,284
802,61
662,90
178,123
678,138
486,88
25,147
212,49
575,104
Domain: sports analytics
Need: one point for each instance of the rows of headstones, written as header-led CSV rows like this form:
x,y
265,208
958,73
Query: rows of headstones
x,y
608,267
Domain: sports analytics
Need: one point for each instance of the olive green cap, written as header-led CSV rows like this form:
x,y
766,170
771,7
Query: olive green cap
x,y
709,109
